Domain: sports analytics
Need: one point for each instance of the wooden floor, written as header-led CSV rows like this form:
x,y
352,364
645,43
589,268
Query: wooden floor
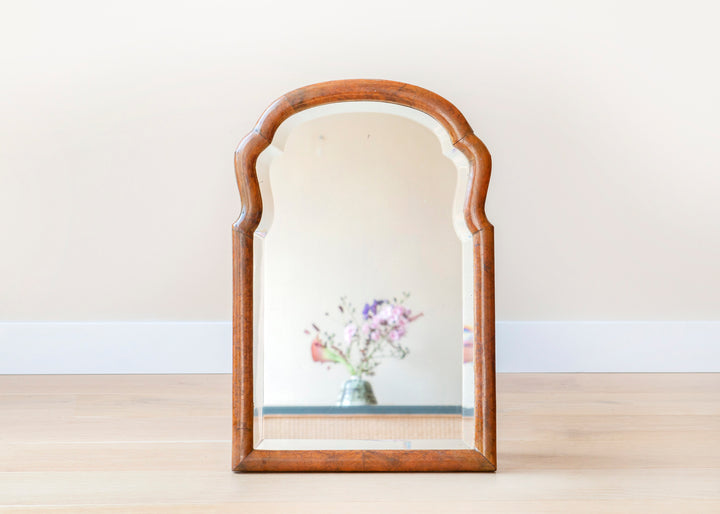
x,y
567,443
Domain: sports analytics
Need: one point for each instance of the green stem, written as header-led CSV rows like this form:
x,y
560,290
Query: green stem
x,y
342,359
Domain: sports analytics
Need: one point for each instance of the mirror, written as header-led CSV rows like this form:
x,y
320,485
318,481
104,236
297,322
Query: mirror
x,y
361,301
361,321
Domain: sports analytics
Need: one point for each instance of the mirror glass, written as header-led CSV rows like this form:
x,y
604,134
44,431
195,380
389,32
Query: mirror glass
x,y
363,284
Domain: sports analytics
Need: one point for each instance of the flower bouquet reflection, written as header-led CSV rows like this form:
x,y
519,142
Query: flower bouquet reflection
x,y
368,338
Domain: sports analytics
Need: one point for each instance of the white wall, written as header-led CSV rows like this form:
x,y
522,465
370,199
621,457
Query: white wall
x,y
119,119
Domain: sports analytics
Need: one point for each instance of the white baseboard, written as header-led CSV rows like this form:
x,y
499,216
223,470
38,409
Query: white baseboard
x,y
115,347
205,347
608,346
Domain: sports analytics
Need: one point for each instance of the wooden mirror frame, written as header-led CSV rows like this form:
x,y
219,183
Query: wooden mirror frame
x,y
480,458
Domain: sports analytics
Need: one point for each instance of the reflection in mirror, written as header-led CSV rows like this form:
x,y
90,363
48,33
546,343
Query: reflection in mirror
x,y
363,273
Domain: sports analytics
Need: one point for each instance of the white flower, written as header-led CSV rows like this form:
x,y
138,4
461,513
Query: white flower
x,y
386,312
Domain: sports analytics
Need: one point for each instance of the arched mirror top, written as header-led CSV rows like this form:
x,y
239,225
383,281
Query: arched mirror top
x,y
429,109
386,91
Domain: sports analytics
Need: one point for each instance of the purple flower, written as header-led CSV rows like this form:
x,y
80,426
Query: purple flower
x,y
371,310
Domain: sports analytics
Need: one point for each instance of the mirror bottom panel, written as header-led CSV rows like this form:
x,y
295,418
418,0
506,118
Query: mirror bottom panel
x,y
362,431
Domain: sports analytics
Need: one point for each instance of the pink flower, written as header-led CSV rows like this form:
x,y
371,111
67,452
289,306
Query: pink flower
x,y
467,344
398,313
319,352
394,336
375,335
350,331
413,318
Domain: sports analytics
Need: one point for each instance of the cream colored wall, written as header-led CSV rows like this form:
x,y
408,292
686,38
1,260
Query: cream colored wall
x,y
118,123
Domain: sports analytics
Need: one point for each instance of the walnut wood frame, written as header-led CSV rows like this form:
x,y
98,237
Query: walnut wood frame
x,y
483,456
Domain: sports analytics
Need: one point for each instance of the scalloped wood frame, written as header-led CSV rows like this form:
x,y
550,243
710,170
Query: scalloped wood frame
x,y
480,458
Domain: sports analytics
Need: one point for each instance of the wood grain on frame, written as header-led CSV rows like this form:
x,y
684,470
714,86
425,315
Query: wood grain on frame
x,y
483,456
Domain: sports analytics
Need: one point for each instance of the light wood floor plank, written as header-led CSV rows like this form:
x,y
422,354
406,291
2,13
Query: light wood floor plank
x,y
567,443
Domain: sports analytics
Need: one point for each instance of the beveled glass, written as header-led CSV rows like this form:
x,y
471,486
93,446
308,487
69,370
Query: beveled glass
x,y
363,248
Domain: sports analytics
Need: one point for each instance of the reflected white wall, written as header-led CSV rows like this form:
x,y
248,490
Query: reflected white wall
x,y
363,208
